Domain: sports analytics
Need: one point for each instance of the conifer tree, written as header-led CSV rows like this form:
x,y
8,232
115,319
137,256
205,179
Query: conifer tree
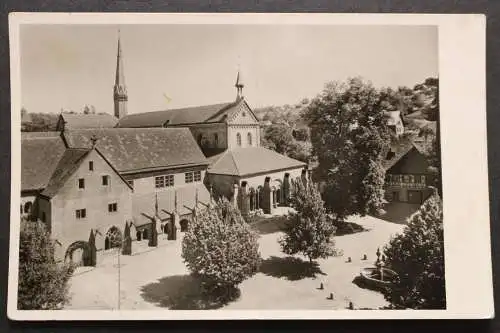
x,y
127,241
43,283
417,255
220,248
308,231
92,257
153,239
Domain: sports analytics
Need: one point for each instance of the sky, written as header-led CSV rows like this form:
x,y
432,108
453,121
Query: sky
x,y
171,66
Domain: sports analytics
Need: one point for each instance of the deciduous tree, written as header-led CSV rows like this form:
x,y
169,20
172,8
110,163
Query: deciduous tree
x,y
43,283
308,231
348,135
220,248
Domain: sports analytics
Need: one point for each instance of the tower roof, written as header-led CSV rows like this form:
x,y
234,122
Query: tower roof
x,y
239,80
120,76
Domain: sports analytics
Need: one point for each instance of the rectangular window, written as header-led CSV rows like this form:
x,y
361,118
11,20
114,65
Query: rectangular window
x,y
189,177
412,178
81,213
105,180
112,207
81,183
131,182
159,181
197,176
422,179
169,180
91,166
406,178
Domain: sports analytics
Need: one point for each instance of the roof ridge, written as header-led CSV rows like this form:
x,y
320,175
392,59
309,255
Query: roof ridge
x,y
227,106
235,164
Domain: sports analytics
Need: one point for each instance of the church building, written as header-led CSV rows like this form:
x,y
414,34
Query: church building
x,y
240,169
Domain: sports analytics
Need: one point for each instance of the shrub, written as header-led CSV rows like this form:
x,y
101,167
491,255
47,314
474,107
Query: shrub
x,y
220,248
308,231
417,255
42,282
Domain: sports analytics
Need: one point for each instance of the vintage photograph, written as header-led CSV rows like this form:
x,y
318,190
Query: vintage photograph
x,y
230,167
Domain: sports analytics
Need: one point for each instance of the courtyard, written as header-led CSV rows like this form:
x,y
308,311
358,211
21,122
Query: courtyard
x,y
156,278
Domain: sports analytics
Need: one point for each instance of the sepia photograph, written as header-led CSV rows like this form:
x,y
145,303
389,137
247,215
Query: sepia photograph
x,y
242,166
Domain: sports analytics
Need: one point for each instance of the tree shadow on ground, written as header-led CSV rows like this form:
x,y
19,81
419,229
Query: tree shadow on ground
x,y
269,225
290,268
185,292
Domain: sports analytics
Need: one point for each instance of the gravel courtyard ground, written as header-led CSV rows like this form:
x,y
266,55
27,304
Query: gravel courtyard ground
x,y
157,278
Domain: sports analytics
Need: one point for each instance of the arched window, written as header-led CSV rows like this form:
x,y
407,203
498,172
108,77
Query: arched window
x,y
216,140
27,207
249,138
238,139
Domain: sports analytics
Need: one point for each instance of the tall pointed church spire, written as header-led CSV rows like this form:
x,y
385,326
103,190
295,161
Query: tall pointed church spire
x,y
239,85
120,91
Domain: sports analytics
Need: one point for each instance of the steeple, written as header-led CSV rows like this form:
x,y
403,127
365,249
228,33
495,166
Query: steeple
x,y
239,86
120,91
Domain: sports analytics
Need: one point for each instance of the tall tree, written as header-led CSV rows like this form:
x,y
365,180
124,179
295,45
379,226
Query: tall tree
x,y
43,283
417,255
308,231
348,135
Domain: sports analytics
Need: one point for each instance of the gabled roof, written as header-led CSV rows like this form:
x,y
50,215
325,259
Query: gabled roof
x,y
191,115
397,151
39,158
68,164
132,150
143,206
251,160
79,121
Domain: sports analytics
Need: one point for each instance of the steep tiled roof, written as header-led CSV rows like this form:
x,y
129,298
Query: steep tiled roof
x,y
144,204
39,158
141,149
34,135
184,116
251,160
69,163
78,121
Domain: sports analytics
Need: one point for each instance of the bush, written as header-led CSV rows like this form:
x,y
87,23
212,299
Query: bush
x,y
43,283
308,231
220,248
417,255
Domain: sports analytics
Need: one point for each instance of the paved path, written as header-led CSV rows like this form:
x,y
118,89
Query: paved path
x,y
157,278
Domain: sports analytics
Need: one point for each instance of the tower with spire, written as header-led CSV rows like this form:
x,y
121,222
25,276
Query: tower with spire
x,y
239,86
120,91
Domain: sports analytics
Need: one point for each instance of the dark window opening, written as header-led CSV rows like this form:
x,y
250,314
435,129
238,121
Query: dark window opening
x,y
81,183
390,155
112,207
81,213
91,166
105,180
27,207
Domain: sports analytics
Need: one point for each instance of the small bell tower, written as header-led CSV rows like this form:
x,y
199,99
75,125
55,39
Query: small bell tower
x,y
239,86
